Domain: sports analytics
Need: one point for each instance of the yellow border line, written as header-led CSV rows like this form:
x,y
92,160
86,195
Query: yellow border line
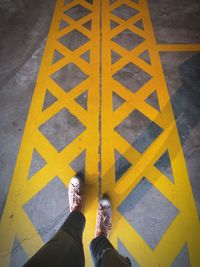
x,y
178,47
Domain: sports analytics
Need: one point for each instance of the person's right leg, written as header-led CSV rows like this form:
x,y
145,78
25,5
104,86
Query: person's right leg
x,y
102,251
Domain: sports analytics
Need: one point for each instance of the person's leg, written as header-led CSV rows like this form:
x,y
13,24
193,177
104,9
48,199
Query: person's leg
x,y
63,248
98,246
74,225
102,251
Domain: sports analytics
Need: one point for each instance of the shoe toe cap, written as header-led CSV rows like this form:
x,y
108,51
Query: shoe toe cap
x,y
105,203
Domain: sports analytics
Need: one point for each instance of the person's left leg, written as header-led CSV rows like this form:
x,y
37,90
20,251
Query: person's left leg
x,y
65,248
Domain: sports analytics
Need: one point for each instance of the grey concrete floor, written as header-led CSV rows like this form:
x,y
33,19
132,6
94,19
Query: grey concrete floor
x,y
23,31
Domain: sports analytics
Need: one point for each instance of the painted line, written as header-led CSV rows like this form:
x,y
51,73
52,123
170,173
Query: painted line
x,y
178,47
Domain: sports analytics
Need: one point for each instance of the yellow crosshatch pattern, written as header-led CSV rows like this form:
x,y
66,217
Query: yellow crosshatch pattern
x,y
15,222
185,227
100,121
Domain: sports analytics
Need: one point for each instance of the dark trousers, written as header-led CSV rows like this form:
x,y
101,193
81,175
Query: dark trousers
x,y
65,249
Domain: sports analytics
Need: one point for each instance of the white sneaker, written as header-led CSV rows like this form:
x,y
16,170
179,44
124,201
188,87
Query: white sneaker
x,y
75,194
104,218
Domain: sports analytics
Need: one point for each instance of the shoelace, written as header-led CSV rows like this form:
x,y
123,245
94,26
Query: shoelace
x,y
102,220
76,196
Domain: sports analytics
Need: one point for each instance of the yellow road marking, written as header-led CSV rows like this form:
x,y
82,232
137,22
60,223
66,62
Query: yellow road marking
x,y
178,47
15,222
185,227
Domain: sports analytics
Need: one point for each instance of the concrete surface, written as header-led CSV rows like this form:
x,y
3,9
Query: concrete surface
x,y
24,28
